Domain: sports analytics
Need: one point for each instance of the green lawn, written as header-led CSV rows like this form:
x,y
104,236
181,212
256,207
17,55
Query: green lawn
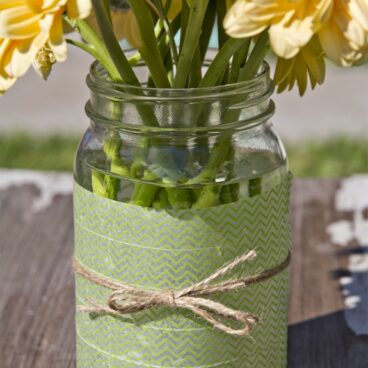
x,y
330,158
335,157
49,153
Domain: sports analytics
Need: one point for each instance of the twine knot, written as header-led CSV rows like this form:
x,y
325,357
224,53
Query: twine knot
x,y
131,302
126,299
169,298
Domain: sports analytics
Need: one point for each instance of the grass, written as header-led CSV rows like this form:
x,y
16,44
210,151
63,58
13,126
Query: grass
x,y
335,157
20,150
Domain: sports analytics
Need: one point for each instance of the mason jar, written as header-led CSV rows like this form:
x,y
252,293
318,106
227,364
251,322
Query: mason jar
x,y
170,185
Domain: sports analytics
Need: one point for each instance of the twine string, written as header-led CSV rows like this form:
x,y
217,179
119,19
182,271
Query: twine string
x,y
126,299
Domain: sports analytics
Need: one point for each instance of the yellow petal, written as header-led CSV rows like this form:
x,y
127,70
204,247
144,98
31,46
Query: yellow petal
x,y
357,36
301,76
288,83
336,46
283,70
289,36
5,80
7,4
46,23
18,23
246,19
321,9
79,8
56,39
17,56
344,37
359,11
308,62
44,6
314,59
292,23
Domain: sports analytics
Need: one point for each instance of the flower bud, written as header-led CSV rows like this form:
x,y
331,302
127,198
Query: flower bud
x,y
44,61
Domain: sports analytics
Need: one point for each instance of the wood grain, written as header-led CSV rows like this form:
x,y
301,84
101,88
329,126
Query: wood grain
x,y
36,291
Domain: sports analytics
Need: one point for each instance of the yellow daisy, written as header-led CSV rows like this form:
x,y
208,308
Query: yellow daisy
x,y
344,36
291,24
340,25
26,26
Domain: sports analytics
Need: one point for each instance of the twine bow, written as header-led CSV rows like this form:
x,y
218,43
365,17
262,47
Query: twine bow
x,y
126,299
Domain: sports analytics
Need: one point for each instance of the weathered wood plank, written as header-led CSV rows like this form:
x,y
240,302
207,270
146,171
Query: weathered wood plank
x,y
36,292
319,336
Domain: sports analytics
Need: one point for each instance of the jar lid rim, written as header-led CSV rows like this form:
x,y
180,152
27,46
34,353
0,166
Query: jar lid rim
x,y
99,81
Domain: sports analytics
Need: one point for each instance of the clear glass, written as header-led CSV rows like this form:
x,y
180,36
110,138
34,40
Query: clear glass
x,y
179,148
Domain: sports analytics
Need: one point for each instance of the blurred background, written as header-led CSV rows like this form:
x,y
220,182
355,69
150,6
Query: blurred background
x,y
326,131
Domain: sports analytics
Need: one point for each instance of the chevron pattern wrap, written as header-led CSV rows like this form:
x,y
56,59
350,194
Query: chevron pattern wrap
x,y
170,249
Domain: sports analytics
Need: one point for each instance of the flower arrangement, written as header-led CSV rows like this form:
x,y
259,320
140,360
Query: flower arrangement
x,y
172,39
190,149
301,33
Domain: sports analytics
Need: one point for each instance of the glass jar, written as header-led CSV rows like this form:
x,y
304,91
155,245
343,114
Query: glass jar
x,y
179,148
171,185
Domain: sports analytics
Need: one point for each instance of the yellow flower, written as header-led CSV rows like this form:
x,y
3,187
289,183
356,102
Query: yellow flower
x,y
344,36
342,26
26,26
5,80
309,63
291,23
124,22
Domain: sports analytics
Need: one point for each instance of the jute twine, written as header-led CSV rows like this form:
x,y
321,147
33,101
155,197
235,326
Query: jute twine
x,y
127,299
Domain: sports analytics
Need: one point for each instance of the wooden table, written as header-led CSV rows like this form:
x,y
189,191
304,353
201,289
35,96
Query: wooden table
x,y
329,272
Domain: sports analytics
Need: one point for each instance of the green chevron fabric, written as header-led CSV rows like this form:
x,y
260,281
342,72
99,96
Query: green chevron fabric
x,y
170,249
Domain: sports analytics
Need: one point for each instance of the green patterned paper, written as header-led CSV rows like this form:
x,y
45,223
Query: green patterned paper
x,y
169,249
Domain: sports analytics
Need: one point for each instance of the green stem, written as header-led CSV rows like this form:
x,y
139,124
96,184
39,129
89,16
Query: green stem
x,y
209,197
144,194
104,61
108,11
87,33
221,12
208,23
135,59
179,198
221,62
238,61
256,58
93,45
191,41
117,55
169,31
164,47
255,187
139,165
196,70
161,201
105,185
223,145
184,18
149,47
